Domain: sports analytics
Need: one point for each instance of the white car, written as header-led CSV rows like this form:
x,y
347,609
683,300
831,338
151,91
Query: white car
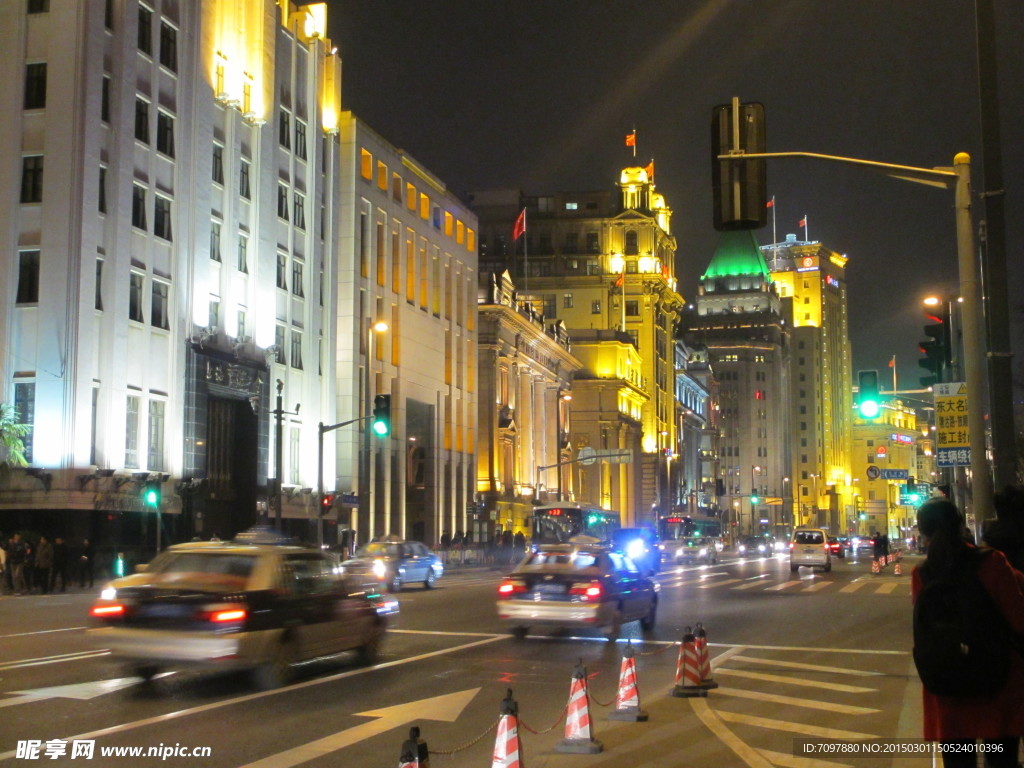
x,y
809,546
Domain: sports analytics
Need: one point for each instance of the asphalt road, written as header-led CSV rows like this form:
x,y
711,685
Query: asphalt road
x,y
806,655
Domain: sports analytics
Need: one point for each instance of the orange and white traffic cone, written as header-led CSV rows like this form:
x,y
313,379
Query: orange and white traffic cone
x,y
703,657
688,669
627,701
875,568
507,747
414,751
897,568
578,739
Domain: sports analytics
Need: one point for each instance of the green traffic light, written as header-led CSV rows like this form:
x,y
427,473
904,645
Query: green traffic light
x,y
380,427
868,409
754,499
151,497
381,421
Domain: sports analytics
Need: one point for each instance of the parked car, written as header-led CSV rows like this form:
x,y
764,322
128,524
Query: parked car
x,y
576,585
396,563
255,602
810,546
696,549
641,546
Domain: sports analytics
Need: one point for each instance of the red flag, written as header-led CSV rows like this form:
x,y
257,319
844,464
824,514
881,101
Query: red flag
x,y
650,170
619,280
631,139
802,223
892,362
520,226
770,203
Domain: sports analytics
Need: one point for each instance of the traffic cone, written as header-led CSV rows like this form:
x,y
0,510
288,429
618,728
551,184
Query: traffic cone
x,y
897,568
703,657
875,568
507,747
627,701
414,751
687,669
578,739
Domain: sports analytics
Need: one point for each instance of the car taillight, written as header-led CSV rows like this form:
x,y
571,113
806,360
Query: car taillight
x,y
224,613
107,611
233,614
587,592
509,588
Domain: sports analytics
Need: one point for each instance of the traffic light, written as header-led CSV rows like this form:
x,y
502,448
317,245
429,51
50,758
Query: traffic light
x,y
868,401
754,499
326,502
913,495
740,187
151,494
936,349
381,421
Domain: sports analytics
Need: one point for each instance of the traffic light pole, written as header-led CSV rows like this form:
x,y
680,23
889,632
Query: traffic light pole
x,y
320,431
957,179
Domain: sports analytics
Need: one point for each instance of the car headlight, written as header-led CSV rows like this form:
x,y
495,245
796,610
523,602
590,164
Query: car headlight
x,y
703,551
761,547
108,593
635,549
379,569
741,548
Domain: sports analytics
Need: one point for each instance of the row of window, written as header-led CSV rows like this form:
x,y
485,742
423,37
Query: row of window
x,y
164,127
284,133
168,39
244,188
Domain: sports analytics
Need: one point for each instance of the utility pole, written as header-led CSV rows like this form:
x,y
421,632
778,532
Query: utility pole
x,y
279,414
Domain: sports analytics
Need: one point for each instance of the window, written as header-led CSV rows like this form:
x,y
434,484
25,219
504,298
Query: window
x,y
98,303
215,240
38,6
243,179
105,100
241,324
155,458
282,266
135,297
25,412
168,46
282,202
632,308
243,253
297,278
28,277
131,433
162,218
142,120
593,245
158,306
101,200
595,307
284,129
145,30
300,139
567,300
138,206
632,247
279,354
165,134
35,86
218,164
108,22
213,321
32,179
297,349
300,211
572,242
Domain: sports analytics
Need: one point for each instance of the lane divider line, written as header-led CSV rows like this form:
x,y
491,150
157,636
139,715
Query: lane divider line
x,y
809,667
801,728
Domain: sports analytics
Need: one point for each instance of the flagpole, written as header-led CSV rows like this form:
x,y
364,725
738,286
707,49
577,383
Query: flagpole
x,y
634,142
807,237
893,363
622,300
526,260
775,236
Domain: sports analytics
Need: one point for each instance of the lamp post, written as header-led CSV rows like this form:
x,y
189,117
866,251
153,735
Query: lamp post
x,y
753,495
563,397
785,506
279,414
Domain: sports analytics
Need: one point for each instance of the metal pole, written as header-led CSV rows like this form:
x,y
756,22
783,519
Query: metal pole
x,y
974,345
320,485
558,443
278,454
367,458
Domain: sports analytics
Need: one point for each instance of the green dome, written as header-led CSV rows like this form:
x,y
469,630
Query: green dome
x,y
737,254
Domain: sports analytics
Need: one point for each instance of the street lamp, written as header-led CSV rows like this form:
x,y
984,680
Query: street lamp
x,y
785,515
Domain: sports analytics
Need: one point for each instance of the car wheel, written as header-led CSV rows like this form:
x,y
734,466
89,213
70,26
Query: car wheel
x,y
395,585
648,621
146,671
370,650
519,633
431,579
615,625
793,568
828,566
276,671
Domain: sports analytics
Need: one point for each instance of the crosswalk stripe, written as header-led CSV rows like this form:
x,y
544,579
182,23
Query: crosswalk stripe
x,y
853,586
718,584
786,760
885,589
794,701
807,667
783,585
757,581
785,725
826,685
819,585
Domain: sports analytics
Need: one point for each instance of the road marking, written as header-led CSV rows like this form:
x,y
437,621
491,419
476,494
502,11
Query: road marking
x,y
718,584
783,585
885,589
263,694
713,722
41,632
755,581
853,586
827,685
784,725
794,701
80,691
78,655
816,587
795,648
787,760
808,667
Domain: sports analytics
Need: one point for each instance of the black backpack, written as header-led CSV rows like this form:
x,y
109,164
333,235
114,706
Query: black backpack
x,y
962,643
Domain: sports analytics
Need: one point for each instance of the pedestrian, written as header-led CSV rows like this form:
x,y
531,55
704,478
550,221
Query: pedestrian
x,y
506,546
17,554
86,563
958,722
519,545
4,573
44,564
1006,532
61,561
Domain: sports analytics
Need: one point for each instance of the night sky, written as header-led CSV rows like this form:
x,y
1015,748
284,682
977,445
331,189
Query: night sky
x,y
538,96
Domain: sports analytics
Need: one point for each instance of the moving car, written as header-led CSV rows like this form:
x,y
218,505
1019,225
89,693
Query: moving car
x,y
640,545
756,546
255,602
395,563
696,549
810,546
838,545
576,585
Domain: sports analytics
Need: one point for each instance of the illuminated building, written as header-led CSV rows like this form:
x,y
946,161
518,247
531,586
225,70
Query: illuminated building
x,y
811,280
599,265
738,319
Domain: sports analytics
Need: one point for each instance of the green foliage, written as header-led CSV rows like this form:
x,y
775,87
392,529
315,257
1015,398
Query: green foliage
x,y
12,449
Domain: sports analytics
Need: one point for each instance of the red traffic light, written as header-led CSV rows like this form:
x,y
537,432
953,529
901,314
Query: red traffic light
x,y
327,501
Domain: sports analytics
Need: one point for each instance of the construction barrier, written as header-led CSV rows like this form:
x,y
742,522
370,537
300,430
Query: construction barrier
x,y
507,747
578,738
700,636
688,669
414,751
627,700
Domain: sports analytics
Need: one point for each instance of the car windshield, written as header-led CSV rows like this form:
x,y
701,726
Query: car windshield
x,y
809,537
378,549
209,570
693,541
574,559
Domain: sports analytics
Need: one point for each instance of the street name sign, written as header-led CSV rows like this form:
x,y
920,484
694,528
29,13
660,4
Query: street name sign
x,y
894,474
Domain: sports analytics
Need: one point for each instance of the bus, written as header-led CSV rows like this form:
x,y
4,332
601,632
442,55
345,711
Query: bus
x,y
674,527
557,523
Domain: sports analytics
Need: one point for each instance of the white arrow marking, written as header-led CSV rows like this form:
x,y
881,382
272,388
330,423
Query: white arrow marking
x,y
80,691
446,708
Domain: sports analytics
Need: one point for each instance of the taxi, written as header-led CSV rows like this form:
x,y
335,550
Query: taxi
x,y
257,603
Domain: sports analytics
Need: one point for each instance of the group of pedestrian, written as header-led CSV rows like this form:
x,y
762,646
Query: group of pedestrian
x,y
996,718
453,547
41,565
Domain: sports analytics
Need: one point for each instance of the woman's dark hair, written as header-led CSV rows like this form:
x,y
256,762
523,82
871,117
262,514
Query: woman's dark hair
x,y
940,522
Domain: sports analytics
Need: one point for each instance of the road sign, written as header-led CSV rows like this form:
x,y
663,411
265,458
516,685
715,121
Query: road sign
x,y
952,433
894,474
587,456
615,455
874,472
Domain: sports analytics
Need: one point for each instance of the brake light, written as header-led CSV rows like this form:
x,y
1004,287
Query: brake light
x,y
509,588
107,611
232,614
587,592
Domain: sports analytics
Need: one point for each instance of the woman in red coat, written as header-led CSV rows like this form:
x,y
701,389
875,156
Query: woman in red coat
x,y
998,720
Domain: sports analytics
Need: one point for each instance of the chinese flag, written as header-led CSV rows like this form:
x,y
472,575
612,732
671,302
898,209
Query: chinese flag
x,y
631,139
650,170
802,223
619,280
892,362
770,204
520,226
